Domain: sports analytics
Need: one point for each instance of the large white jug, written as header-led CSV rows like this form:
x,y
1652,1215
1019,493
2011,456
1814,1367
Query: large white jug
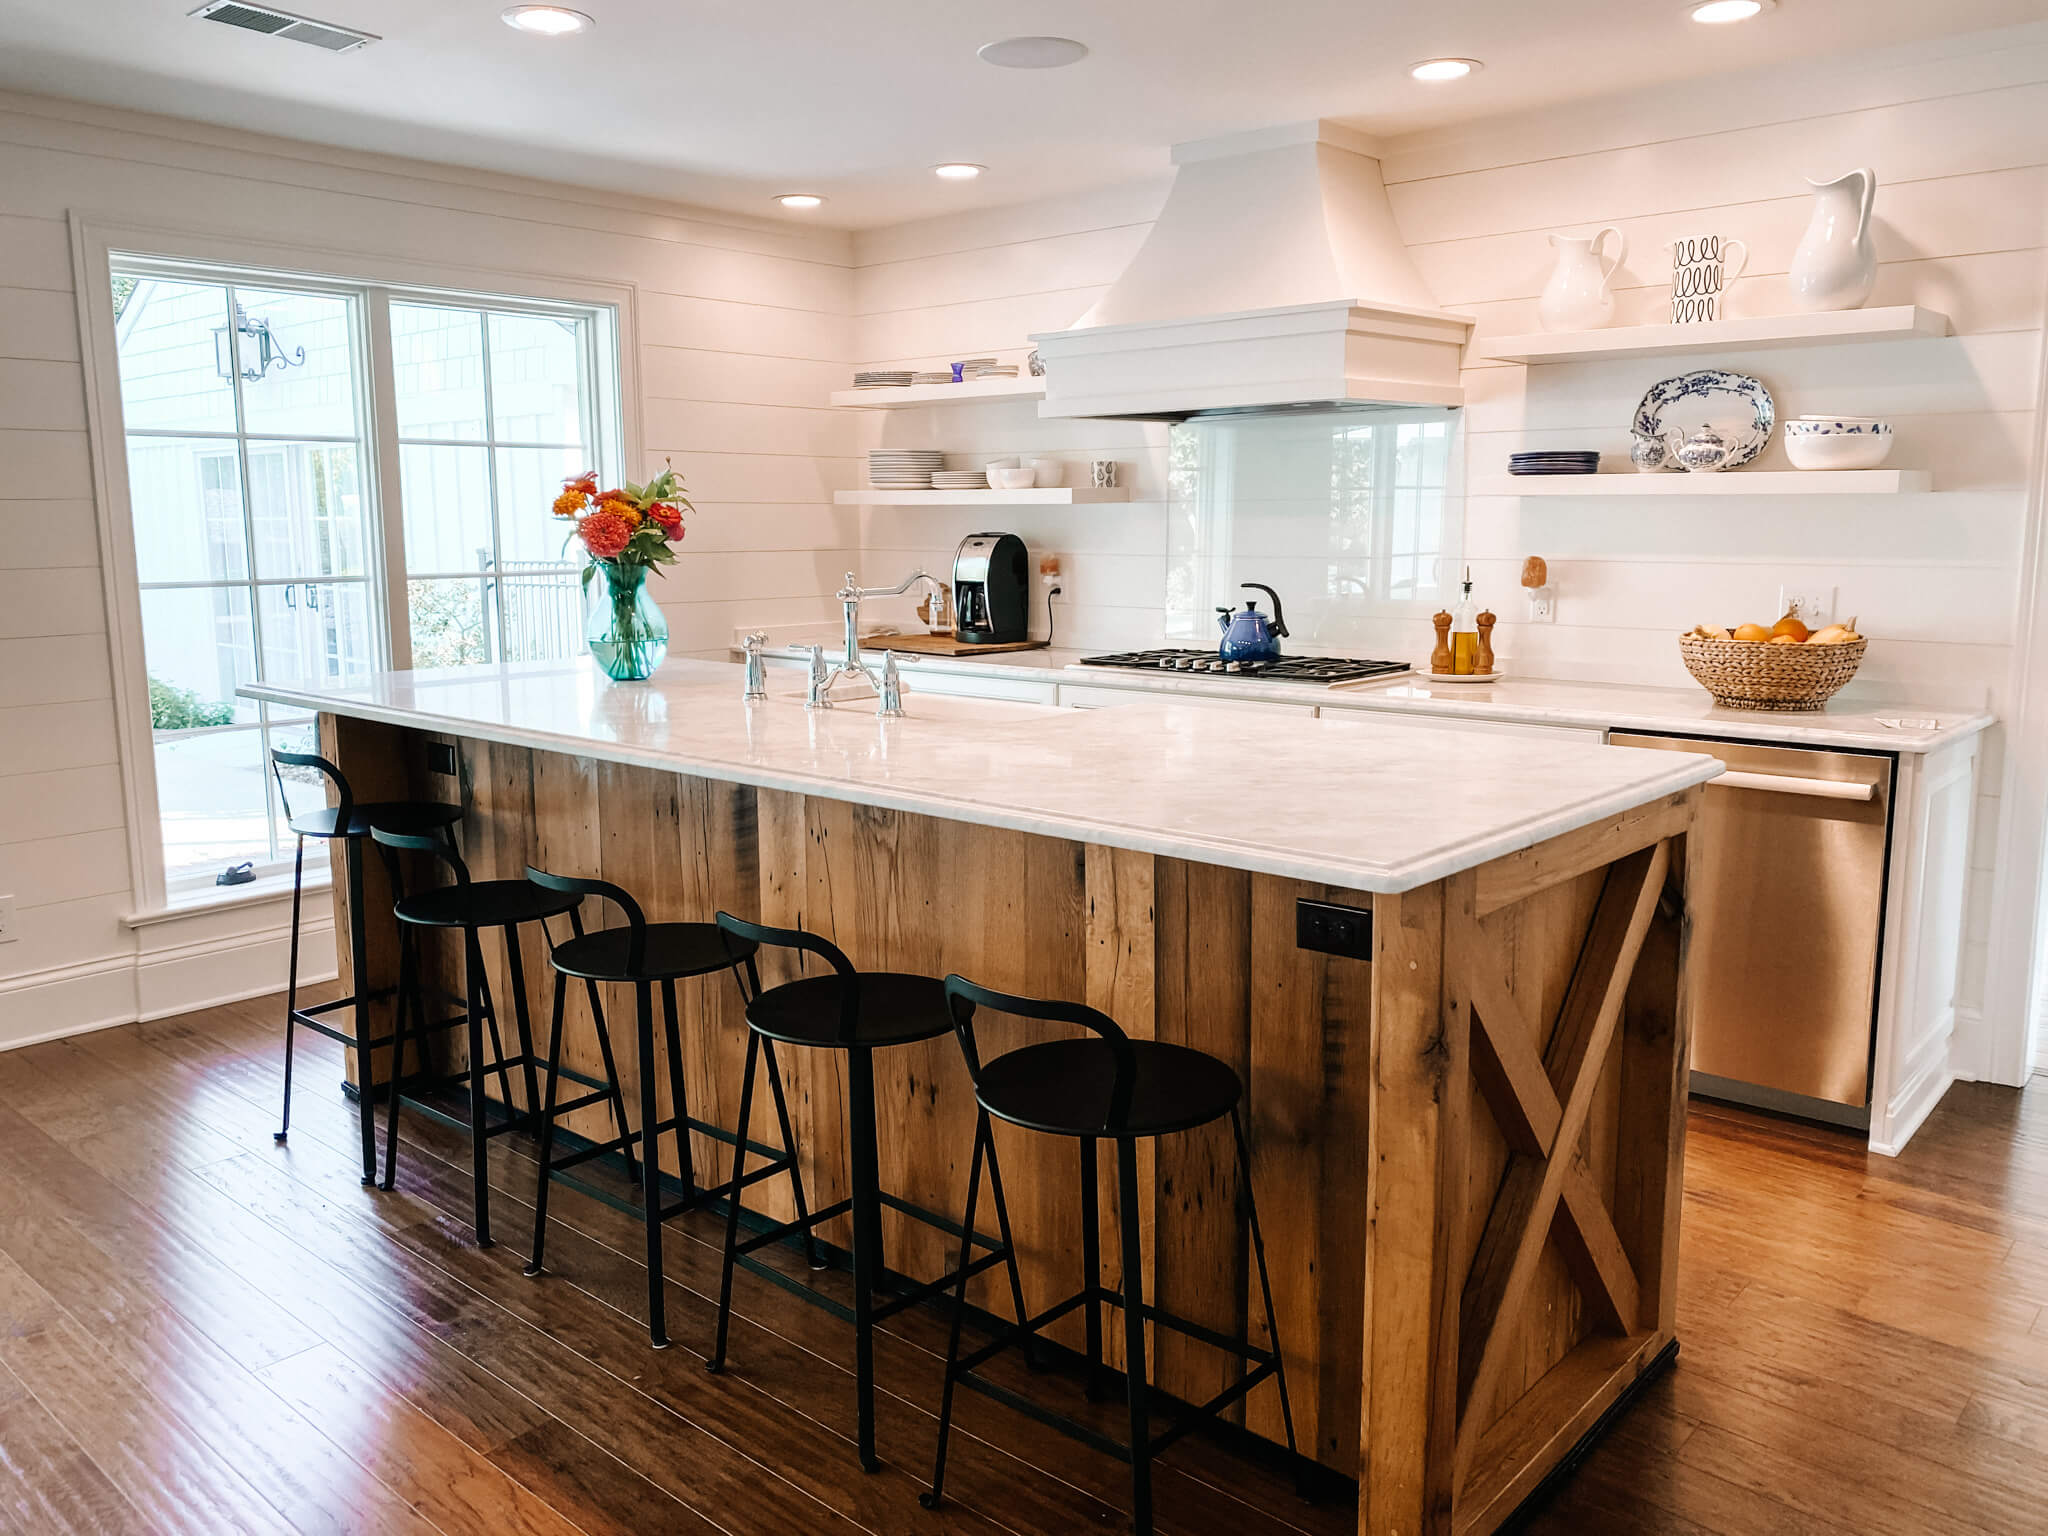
x,y
1576,297
1836,263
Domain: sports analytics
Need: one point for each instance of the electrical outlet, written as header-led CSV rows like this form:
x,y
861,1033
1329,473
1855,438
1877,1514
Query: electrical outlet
x,y
1812,606
1333,929
1542,606
7,930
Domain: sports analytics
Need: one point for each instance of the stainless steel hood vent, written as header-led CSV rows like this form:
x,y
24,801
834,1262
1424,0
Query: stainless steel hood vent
x,y
1274,277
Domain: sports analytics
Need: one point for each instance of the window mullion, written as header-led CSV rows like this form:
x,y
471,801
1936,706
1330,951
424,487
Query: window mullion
x,y
497,583
390,529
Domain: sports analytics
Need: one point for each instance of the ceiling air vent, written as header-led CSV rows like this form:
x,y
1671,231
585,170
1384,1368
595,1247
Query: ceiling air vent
x,y
297,29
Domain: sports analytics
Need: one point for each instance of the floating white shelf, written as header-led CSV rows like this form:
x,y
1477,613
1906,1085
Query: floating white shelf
x,y
1037,496
1898,322
1734,482
1022,387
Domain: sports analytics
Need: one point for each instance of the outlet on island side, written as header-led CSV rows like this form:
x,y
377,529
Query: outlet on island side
x,y
8,934
1332,929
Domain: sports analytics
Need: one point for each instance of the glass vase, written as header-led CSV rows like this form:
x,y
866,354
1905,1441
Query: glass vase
x,y
626,632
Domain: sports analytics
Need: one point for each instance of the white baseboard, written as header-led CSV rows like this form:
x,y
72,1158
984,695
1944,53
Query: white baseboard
x,y
1930,1072
158,983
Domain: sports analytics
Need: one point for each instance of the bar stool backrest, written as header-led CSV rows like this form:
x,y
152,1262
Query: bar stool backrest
x,y
832,954
618,896
345,803
442,848
963,996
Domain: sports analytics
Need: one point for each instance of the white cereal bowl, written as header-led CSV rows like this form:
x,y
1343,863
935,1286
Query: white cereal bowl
x,y
1837,442
1009,477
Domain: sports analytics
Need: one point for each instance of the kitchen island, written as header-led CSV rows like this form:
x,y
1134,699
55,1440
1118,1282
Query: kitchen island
x,y
1467,1132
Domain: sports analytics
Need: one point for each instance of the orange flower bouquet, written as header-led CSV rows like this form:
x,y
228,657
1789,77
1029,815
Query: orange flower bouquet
x,y
626,533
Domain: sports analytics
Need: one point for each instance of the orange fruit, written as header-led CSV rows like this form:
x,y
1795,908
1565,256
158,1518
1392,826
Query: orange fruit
x,y
1752,632
1791,626
1783,640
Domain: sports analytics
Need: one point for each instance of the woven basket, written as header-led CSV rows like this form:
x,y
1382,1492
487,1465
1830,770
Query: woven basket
x,y
1746,674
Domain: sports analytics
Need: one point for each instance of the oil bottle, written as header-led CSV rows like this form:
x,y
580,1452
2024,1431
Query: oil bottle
x,y
1465,631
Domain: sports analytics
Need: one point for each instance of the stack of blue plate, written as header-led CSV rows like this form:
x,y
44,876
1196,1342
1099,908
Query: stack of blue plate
x,y
1561,462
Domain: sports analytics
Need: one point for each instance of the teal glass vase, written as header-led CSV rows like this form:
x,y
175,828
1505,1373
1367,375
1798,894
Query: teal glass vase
x,y
626,632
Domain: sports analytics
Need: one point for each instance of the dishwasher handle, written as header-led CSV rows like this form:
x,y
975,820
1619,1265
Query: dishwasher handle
x,y
1793,784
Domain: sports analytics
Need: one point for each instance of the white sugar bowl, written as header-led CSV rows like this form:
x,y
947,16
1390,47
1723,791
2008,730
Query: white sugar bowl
x,y
1837,442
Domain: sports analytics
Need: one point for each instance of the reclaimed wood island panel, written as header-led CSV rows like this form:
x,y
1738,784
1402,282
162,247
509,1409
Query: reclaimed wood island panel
x,y
1466,1150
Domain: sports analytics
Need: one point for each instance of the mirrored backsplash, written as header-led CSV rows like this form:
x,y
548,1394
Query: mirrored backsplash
x,y
1356,519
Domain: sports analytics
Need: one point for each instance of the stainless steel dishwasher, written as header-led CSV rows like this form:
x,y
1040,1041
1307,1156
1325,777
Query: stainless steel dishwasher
x,y
1788,923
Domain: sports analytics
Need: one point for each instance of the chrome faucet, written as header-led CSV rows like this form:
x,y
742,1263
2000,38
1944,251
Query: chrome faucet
x,y
891,707
757,668
850,665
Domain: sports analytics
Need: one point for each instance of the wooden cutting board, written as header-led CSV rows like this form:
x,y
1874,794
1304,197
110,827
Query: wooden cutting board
x,y
944,645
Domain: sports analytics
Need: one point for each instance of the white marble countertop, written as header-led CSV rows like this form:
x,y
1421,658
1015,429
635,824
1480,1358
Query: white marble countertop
x,y
1358,801
1689,711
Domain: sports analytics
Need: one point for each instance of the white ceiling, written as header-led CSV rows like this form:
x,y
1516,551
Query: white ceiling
x,y
726,102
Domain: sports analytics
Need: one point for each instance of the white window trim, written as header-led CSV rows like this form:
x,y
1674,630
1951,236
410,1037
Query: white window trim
x,y
95,240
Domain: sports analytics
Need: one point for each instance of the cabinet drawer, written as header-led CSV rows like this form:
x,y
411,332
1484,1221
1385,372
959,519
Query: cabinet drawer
x,y
1083,696
1588,734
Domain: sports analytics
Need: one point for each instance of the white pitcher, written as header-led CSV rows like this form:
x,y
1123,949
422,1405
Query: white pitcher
x,y
1836,263
1576,297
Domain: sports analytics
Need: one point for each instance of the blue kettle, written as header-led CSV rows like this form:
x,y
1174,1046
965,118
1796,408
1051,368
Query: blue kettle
x,y
1249,635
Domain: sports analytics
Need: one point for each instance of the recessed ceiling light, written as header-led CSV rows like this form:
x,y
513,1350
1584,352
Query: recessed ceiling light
x,y
958,170
1033,52
1443,69
1716,13
547,20
799,199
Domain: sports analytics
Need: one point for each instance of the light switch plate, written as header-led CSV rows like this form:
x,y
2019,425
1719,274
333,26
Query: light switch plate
x,y
1814,606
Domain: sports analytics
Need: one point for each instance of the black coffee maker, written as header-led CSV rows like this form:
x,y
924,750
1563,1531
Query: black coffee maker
x,y
990,589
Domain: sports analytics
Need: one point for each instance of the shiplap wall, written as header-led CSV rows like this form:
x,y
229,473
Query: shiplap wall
x,y
743,329
1958,134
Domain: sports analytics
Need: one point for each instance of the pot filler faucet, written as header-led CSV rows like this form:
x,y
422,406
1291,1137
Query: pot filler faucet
x,y
887,686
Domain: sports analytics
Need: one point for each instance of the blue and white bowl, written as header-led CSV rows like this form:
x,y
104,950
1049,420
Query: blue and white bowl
x,y
1837,442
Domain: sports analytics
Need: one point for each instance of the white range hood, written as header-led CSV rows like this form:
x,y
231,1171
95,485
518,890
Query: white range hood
x,y
1273,278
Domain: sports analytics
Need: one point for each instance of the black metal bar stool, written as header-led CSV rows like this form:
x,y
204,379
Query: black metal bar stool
x,y
470,906
857,1012
1113,1088
640,955
351,822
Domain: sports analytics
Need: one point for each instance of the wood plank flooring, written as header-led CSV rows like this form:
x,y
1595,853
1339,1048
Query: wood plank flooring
x,y
202,1331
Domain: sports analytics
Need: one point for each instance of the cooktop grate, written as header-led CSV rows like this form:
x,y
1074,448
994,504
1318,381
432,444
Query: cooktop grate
x,y
1287,669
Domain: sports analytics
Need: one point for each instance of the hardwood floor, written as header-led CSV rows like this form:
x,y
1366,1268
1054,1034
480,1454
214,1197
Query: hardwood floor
x,y
202,1331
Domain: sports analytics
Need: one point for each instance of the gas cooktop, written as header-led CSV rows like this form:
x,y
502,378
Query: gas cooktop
x,y
1287,669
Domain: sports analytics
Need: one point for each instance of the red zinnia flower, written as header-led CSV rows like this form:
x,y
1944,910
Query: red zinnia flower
x,y
670,518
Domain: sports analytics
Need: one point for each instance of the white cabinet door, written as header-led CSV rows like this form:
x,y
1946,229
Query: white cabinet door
x,y
974,685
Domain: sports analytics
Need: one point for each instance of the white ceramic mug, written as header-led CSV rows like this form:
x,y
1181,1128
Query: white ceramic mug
x,y
1703,268
1102,474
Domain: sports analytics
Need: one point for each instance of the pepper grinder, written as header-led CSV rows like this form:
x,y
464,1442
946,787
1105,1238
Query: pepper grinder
x,y
1440,658
1486,621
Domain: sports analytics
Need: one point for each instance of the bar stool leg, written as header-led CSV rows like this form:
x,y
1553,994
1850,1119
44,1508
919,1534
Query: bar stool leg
x,y
678,1100
479,1146
490,1008
291,989
796,1175
867,1238
1134,1336
405,1005
650,1165
1091,1264
930,1498
732,1207
359,960
547,1127
611,1073
995,1189
520,1015
1244,1173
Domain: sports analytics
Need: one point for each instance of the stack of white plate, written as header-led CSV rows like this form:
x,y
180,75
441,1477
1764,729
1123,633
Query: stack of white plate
x,y
959,479
936,376
882,378
904,469
988,370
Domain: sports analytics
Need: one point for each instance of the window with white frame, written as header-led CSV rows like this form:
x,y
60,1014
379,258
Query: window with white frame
x,y
271,466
